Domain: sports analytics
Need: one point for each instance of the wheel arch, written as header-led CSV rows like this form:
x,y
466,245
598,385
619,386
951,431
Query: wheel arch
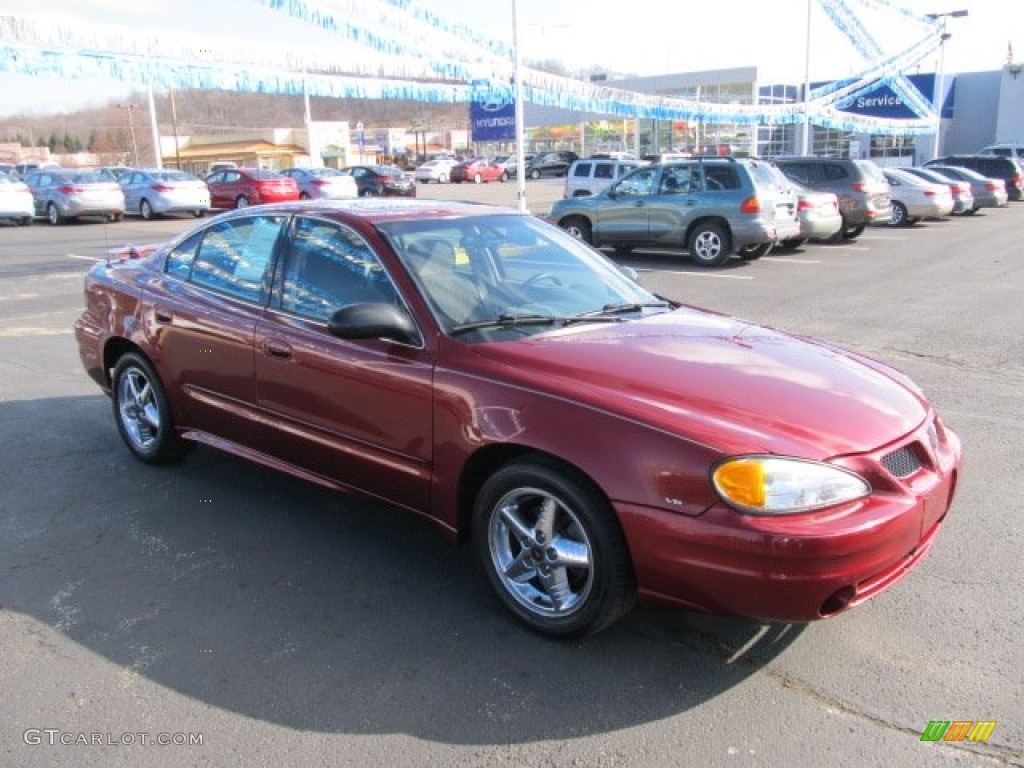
x,y
720,221
487,460
114,349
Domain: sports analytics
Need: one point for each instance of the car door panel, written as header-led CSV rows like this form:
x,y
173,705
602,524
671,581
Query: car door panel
x,y
357,412
202,315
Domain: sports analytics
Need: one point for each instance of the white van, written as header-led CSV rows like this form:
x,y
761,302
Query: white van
x,y
592,174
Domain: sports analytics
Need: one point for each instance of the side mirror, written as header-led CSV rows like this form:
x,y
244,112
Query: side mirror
x,y
378,320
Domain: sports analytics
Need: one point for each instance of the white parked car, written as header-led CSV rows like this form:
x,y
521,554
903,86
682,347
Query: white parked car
x,y
914,199
322,183
438,170
16,200
819,216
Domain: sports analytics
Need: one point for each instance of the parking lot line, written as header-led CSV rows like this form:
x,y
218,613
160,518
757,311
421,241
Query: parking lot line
x,y
694,274
784,260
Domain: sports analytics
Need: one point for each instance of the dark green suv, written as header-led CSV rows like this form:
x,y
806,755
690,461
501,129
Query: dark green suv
x,y
712,207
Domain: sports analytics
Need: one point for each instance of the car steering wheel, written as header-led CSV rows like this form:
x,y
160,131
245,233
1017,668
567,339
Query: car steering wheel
x,y
539,277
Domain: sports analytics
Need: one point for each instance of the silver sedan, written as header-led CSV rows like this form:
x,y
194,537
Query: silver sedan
x,y
155,192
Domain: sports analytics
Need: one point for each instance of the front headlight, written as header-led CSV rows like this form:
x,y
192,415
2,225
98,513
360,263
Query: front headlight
x,y
774,485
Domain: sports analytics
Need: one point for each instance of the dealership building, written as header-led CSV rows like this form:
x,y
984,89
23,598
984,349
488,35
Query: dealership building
x,y
978,108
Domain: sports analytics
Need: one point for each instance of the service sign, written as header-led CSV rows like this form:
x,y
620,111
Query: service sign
x,y
492,113
884,102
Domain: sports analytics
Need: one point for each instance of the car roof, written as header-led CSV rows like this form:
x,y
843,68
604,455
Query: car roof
x,y
379,209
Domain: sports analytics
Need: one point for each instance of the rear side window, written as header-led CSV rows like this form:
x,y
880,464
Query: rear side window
x,y
582,170
835,172
604,171
800,172
719,177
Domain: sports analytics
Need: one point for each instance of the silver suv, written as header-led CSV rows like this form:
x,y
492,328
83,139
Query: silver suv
x,y
590,175
860,186
711,206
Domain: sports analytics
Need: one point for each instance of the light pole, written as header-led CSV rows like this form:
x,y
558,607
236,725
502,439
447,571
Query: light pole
x,y
131,129
938,95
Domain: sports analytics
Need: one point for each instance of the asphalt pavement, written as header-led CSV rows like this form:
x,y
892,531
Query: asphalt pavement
x,y
245,618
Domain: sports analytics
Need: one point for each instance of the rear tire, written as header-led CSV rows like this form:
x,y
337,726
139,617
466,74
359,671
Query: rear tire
x,y
754,252
852,233
242,202
142,412
709,245
146,210
899,217
53,214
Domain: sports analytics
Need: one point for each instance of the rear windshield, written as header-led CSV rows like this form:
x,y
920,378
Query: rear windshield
x,y
870,169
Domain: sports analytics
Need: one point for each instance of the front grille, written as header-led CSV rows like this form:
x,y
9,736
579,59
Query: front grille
x,y
903,462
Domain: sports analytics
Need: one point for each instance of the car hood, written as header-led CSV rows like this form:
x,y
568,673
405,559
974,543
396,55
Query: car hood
x,y
728,384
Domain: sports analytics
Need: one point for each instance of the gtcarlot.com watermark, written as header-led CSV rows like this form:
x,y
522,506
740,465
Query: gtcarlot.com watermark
x,y
56,737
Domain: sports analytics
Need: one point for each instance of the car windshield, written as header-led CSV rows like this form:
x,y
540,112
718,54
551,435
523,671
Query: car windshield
x,y
500,277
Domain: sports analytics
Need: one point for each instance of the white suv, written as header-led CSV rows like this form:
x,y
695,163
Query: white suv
x,y
592,174
1016,151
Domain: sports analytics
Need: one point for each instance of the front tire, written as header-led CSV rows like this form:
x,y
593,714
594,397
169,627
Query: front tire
x,y
552,549
242,202
534,174
579,228
142,412
709,245
852,233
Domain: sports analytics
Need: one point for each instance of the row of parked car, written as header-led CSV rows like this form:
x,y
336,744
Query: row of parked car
x,y
714,207
479,170
61,194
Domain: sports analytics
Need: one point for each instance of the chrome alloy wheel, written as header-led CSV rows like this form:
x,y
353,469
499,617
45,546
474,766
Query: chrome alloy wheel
x,y
138,409
541,553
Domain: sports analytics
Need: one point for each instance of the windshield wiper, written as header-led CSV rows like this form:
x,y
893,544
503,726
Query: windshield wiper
x,y
511,321
619,309
505,321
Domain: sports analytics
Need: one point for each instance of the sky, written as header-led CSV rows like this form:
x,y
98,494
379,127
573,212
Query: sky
x,y
640,37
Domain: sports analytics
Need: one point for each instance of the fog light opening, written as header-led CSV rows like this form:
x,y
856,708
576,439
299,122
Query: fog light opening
x,y
837,602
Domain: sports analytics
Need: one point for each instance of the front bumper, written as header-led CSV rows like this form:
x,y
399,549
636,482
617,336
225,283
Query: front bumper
x,y
796,567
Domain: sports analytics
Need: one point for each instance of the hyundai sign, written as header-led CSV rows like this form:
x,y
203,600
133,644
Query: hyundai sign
x,y
492,113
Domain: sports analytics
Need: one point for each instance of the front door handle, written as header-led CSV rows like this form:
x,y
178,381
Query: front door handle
x,y
277,348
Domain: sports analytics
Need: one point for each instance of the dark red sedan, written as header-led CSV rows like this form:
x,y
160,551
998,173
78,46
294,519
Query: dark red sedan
x,y
484,369
242,187
478,170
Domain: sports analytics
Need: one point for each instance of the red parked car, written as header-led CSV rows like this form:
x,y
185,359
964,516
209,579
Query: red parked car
x,y
511,384
241,187
477,171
